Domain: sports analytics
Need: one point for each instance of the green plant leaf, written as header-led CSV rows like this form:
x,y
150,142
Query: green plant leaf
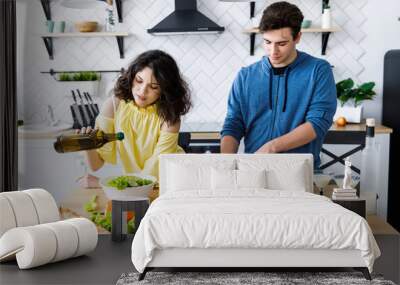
x,y
343,89
346,84
64,77
366,87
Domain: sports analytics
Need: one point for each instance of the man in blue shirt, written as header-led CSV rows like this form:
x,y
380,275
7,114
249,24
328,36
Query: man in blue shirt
x,y
286,101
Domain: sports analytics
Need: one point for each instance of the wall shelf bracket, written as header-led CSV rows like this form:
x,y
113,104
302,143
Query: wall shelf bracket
x,y
46,8
252,43
252,9
120,41
325,39
118,3
48,42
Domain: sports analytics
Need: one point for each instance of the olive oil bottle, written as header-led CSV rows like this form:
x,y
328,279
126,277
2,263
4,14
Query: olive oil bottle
x,y
78,142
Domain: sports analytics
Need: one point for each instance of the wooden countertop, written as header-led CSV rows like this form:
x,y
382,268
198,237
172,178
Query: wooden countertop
x,y
379,129
214,135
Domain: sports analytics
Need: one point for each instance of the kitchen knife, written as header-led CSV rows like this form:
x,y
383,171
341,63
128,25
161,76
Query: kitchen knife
x,y
94,105
77,111
84,110
88,105
91,108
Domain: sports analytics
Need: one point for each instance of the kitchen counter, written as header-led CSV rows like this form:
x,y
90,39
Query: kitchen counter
x,y
379,129
212,130
205,131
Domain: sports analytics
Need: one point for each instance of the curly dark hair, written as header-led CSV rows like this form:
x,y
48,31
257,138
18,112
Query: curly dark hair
x,y
174,98
281,15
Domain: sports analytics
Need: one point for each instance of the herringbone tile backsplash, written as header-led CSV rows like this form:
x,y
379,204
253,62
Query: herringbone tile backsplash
x,y
208,62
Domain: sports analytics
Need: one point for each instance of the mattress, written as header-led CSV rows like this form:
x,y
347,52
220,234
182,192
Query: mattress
x,y
250,219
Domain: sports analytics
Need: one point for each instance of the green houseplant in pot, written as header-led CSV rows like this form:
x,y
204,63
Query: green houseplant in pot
x,y
351,98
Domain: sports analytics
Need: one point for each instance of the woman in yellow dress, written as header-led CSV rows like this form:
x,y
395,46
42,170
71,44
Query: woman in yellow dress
x,y
148,102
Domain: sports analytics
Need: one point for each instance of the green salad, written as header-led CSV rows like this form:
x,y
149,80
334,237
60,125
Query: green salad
x,y
122,182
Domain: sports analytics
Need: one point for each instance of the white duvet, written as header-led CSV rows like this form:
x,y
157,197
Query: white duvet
x,y
250,219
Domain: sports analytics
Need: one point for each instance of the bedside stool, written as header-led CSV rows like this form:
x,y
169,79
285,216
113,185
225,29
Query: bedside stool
x,y
118,220
356,205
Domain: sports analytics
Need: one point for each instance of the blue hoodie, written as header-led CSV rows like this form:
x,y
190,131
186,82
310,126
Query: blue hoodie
x,y
263,106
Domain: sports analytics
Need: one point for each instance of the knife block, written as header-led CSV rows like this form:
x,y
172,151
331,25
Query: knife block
x,y
81,118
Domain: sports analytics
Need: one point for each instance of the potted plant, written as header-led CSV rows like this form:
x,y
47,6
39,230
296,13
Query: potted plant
x,y
350,99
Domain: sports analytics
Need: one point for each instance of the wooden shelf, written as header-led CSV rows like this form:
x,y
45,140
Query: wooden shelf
x,y
324,32
48,39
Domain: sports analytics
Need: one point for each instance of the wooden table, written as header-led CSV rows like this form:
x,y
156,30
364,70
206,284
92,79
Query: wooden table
x,y
351,134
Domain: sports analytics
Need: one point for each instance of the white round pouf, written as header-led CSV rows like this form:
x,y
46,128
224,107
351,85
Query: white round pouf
x,y
45,205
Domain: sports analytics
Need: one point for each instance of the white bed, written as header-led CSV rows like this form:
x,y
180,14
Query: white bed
x,y
220,211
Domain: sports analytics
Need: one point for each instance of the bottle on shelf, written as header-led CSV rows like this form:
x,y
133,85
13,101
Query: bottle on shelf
x,y
110,20
79,142
370,168
326,22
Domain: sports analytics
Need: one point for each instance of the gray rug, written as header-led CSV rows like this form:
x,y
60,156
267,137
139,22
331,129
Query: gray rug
x,y
229,278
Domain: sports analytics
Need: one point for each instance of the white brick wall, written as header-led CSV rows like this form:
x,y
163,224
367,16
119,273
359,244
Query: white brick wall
x,y
209,62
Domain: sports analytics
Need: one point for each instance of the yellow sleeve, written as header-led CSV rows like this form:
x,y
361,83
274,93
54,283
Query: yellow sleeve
x,y
108,151
167,143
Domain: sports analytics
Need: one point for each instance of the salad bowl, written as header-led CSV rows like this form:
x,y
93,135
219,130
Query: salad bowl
x,y
130,187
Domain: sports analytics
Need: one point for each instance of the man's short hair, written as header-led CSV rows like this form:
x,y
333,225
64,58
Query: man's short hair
x,y
281,15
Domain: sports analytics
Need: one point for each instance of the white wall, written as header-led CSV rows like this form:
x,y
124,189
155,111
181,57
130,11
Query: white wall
x,y
383,34
209,62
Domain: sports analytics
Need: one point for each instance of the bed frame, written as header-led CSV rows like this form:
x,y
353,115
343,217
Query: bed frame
x,y
249,259
261,259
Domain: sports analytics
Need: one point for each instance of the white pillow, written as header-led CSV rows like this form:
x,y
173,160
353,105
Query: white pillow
x,y
223,179
251,178
295,179
227,179
282,174
187,175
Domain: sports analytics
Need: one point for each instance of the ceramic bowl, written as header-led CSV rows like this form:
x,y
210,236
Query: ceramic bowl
x,y
86,26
